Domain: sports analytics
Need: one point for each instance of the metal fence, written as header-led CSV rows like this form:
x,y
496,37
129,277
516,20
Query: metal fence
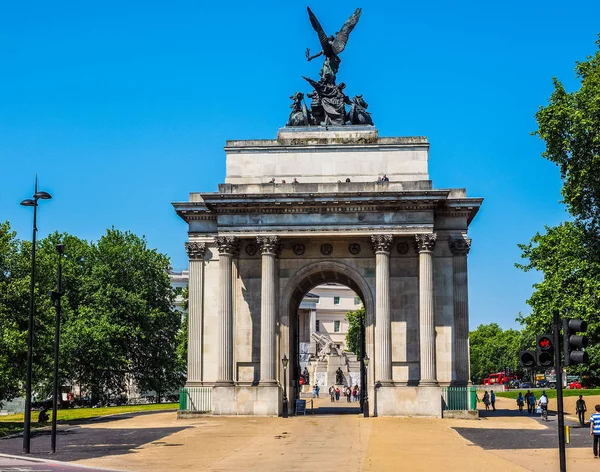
x,y
459,398
195,399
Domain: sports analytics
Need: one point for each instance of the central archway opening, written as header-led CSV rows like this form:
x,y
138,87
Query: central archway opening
x,y
325,304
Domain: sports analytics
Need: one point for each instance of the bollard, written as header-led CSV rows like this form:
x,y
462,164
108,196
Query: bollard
x,y
567,434
312,412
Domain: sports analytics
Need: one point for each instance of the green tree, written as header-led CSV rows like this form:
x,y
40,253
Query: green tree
x,y
494,350
570,127
355,320
568,255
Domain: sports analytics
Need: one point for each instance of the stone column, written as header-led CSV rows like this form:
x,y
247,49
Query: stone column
x,y
270,247
425,243
382,244
195,251
460,334
227,246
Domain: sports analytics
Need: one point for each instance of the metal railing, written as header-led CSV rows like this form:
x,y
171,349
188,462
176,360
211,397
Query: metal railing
x,y
195,399
459,398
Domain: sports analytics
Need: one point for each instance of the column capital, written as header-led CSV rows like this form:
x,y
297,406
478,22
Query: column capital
x,y
195,250
459,246
425,242
227,244
269,245
382,243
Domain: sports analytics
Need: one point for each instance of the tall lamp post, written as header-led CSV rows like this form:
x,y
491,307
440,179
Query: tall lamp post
x,y
366,398
55,297
285,361
37,195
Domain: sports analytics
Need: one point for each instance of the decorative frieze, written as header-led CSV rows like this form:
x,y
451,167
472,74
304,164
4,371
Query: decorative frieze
x,y
354,248
227,244
425,242
402,248
269,244
326,249
459,246
299,249
195,250
382,242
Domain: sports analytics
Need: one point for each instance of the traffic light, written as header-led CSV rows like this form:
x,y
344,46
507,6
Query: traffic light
x,y
544,350
527,359
574,344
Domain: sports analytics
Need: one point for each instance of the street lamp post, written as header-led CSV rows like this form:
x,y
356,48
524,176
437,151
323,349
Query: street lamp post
x,y
285,361
366,397
27,420
55,297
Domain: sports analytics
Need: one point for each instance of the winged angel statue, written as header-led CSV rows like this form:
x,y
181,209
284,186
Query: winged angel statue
x,y
332,45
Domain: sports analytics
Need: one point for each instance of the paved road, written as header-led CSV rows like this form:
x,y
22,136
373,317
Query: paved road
x,y
75,443
11,464
526,439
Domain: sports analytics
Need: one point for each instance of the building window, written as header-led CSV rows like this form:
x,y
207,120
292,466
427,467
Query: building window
x,y
336,300
336,326
318,328
357,300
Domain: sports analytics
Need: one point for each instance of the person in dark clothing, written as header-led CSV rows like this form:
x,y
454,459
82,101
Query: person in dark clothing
x,y
581,409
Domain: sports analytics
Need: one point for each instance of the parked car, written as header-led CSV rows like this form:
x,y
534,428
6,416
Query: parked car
x,y
525,385
575,384
541,384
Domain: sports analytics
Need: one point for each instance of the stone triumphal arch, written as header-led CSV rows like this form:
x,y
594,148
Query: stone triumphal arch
x,y
308,208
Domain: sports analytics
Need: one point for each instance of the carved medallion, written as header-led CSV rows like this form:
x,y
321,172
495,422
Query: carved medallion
x,y
326,249
251,249
402,248
354,248
299,249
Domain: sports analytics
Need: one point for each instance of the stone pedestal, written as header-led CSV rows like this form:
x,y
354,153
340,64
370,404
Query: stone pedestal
x,y
237,400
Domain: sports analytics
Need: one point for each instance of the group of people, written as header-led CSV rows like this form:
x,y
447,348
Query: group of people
x,y
530,400
489,398
351,394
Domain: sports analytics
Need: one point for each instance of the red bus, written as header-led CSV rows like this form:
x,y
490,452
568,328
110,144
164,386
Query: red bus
x,y
499,378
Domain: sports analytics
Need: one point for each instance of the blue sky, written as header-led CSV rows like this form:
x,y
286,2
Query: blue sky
x,y
124,107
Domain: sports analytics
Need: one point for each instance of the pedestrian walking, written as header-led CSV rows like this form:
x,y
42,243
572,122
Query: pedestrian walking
x,y
355,393
595,429
332,393
493,400
337,394
349,395
527,395
486,400
531,405
520,402
581,409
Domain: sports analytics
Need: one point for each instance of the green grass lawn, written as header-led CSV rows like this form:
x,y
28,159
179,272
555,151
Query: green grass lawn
x,y
550,392
12,424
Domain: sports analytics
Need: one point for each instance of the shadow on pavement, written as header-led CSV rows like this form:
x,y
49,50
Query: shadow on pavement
x,y
75,443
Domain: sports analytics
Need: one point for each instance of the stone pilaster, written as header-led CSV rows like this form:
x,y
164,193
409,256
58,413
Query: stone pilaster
x,y
270,247
460,336
227,246
382,244
195,251
313,329
425,243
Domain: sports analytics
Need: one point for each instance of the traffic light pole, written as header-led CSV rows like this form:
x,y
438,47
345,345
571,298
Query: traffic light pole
x,y
559,393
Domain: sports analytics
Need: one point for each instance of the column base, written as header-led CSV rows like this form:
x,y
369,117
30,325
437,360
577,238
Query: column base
x,y
268,383
224,383
429,383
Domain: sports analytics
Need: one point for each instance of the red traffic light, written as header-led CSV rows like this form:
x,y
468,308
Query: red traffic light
x,y
544,343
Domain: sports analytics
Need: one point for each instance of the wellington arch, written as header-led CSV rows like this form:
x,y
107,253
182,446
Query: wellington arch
x,y
308,208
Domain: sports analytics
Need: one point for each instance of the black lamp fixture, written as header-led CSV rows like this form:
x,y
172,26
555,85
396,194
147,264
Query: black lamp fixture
x,y
31,202
284,362
366,389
